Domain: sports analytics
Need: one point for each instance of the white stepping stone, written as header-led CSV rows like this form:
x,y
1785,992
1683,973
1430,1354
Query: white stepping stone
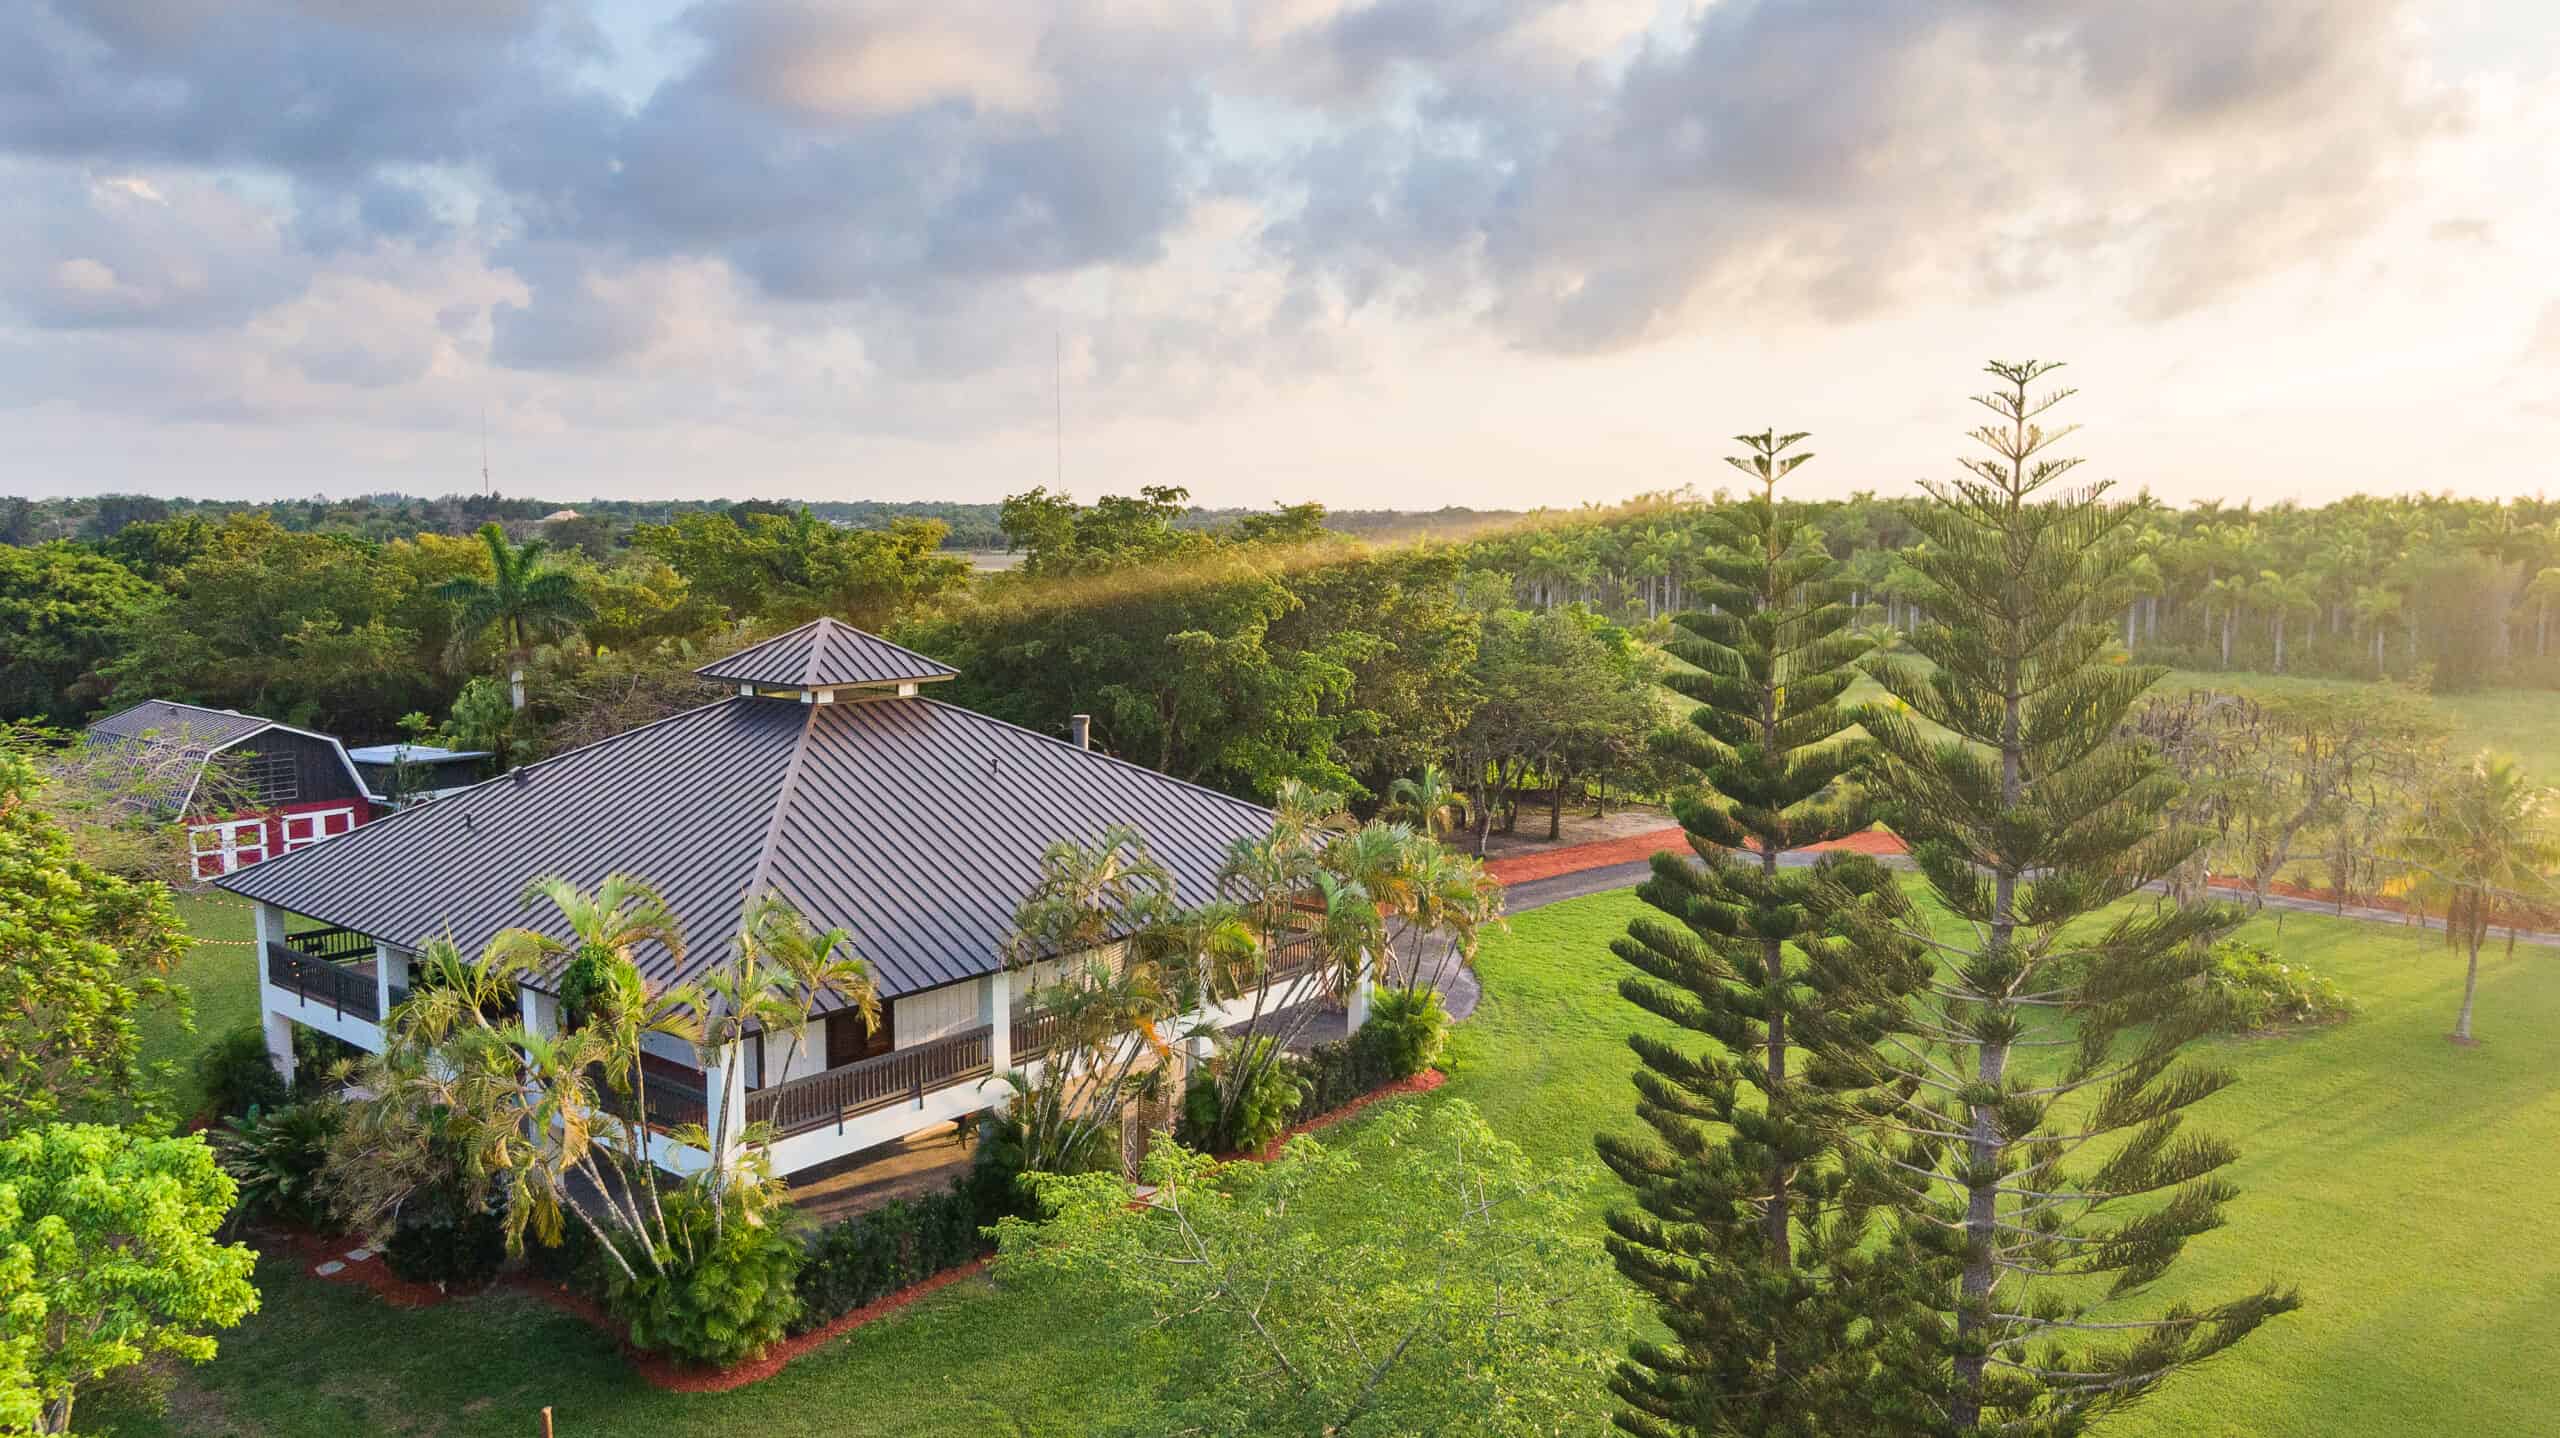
x,y
358,1255
330,1269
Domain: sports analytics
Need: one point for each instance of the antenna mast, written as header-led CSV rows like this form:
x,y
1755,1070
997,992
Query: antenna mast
x,y
1058,398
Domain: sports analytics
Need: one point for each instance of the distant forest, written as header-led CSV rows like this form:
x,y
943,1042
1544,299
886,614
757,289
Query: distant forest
x,y
603,523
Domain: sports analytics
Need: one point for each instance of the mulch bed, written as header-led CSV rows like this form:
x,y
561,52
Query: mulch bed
x,y
369,1272
677,1376
1423,1082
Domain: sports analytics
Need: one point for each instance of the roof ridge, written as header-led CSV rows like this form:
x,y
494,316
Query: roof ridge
x,y
783,794
1089,753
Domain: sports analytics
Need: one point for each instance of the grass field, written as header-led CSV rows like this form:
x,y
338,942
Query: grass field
x,y
2403,1184
221,973
2524,723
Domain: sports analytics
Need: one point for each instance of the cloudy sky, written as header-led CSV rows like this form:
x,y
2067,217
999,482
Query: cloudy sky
x,y
1404,252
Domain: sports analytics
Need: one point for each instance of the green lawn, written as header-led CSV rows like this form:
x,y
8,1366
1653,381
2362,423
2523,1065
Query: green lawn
x,y
2511,721
221,973
2404,1185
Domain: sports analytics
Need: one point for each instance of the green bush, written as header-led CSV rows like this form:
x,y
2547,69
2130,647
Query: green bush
x,y
1262,1113
1409,1028
238,1076
872,1255
732,1300
276,1155
1336,1073
2264,992
439,1241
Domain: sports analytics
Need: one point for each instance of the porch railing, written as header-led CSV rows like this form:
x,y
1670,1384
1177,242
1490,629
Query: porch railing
x,y
336,944
905,1076
347,991
677,1095
1035,1034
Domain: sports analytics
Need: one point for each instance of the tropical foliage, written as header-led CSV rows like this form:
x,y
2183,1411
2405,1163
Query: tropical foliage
x,y
108,1259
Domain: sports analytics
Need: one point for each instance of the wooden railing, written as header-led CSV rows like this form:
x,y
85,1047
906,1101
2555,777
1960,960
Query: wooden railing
x,y
904,1076
677,1095
1034,1035
348,991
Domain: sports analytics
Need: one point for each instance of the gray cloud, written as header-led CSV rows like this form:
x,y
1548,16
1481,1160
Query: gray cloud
x,y
905,195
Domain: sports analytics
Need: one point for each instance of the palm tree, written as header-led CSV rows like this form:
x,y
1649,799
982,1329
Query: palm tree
x,y
2376,605
1428,800
525,600
2483,840
2284,596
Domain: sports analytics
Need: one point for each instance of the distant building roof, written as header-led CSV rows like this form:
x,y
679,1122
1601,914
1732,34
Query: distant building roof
x,y
167,719
826,654
558,515
918,825
413,754
195,732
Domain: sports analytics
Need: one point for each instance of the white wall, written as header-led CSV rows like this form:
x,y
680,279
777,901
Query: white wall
x,y
939,1013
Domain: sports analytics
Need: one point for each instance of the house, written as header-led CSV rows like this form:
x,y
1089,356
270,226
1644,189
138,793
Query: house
x,y
407,773
828,776
254,788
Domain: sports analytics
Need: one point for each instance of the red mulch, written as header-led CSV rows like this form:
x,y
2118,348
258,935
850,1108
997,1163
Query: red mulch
x,y
316,1249
1423,1082
1634,848
676,1376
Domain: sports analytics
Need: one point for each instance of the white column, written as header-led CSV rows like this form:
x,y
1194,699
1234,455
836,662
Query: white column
x,y
384,961
999,1019
724,1091
1356,1007
269,927
541,1011
279,1031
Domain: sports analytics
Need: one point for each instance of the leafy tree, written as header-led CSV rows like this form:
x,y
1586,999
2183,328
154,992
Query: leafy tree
x,y
2036,1112
1745,1232
1525,663
2482,844
108,1259
782,569
1425,1278
62,609
523,599
82,953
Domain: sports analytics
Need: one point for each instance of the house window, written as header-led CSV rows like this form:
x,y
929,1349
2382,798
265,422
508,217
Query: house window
x,y
315,825
217,849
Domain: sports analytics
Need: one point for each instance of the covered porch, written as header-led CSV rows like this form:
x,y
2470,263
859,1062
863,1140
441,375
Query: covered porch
x,y
324,977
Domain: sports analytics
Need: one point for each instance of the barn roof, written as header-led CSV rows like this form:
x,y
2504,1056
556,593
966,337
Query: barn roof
x,y
917,825
824,654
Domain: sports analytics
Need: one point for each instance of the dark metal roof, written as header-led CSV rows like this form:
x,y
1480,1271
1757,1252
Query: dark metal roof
x,y
824,653
165,719
915,824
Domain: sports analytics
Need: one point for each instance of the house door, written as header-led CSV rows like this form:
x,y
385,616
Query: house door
x,y
217,849
848,1042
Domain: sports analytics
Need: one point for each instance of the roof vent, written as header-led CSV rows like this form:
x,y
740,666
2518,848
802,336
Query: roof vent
x,y
1080,729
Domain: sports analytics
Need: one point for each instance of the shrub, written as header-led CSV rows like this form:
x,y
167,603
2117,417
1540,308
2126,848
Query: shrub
x,y
2265,992
1263,1112
575,1262
237,1074
731,1301
1409,1028
1336,1073
276,1156
992,1184
441,1242
872,1255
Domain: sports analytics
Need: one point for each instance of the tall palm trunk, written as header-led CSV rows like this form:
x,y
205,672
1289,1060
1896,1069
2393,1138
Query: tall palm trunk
x,y
2470,987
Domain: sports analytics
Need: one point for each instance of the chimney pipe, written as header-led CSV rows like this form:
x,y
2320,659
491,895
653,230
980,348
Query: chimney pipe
x,y
1080,729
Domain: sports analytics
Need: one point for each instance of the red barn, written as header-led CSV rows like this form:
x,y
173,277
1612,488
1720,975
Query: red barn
x,y
254,787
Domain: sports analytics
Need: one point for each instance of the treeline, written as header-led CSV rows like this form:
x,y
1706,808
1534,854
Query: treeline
x,y
2455,593
1239,656
601,525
